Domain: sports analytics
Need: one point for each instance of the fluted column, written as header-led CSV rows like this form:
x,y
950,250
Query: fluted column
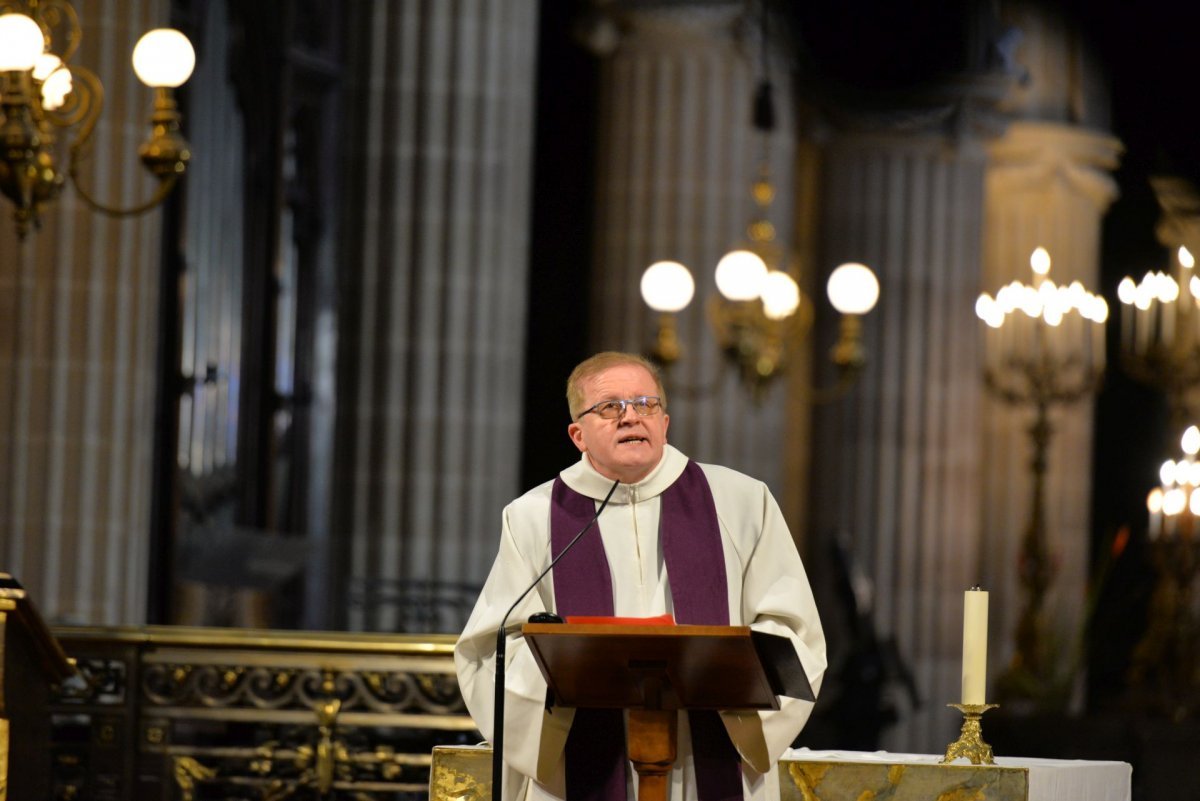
x,y
896,464
677,153
78,333
1048,185
432,359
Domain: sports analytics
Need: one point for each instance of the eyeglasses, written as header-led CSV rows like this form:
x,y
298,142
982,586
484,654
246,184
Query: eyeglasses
x,y
645,406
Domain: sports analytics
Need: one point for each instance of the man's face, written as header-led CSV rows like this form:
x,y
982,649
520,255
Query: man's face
x,y
629,447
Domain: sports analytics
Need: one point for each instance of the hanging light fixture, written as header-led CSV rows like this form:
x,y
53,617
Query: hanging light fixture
x,y
760,314
43,93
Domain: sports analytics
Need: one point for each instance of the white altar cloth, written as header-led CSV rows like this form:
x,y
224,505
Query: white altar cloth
x,y
1049,779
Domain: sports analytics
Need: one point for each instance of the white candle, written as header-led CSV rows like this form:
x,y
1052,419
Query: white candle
x,y
974,660
1127,324
1142,342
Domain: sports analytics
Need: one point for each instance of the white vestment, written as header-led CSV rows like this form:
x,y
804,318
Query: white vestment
x,y
768,590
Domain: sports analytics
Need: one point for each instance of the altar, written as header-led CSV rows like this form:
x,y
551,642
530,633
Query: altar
x,y
463,773
836,775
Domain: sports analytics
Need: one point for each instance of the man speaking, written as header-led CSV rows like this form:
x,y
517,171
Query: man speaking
x,y
703,543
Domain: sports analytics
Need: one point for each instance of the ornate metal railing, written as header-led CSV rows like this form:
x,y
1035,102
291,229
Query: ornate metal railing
x,y
191,714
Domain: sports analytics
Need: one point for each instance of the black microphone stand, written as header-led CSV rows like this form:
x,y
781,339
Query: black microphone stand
x,y
501,648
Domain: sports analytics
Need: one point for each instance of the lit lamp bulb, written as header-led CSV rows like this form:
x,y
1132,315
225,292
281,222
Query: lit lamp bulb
x,y
780,295
1175,500
1186,260
45,64
21,42
853,288
1127,291
740,275
990,310
1039,260
55,79
1191,441
163,58
667,287
1154,501
1154,505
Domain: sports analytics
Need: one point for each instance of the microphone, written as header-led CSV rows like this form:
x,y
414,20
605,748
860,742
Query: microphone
x,y
501,647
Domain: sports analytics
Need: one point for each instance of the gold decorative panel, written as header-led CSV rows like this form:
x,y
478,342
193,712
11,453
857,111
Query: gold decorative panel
x,y
804,780
461,773
233,714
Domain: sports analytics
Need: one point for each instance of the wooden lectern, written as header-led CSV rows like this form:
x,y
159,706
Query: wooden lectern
x,y
30,662
654,671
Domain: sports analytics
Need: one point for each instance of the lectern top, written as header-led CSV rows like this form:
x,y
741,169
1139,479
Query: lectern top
x,y
651,667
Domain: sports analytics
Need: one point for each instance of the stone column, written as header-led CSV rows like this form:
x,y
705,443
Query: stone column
x,y
896,464
1048,185
922,476
78,333
431,360
677,154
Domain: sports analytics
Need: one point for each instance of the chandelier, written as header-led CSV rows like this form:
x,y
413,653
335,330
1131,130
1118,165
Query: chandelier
x,y
43,93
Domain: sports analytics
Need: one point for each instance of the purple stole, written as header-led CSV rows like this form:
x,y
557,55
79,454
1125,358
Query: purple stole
x,y
695,560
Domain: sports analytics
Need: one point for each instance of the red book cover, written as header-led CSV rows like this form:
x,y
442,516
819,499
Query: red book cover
x,y
660,620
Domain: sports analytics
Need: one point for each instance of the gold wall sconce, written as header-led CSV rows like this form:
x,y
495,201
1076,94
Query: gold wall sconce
x,y
45,93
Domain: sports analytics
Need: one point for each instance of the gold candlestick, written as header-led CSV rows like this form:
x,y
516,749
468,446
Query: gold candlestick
x,y
970,742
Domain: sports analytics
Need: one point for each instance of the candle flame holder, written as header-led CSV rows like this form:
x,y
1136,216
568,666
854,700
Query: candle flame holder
x,y
1163,676
1044,349
970,744
1160,315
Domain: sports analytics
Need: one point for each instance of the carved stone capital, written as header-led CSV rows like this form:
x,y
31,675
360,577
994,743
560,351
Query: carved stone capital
x,y
957,109
1043,157
1180,204
611,25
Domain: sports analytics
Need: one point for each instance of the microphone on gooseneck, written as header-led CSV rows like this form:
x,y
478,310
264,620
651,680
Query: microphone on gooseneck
x,y
502,642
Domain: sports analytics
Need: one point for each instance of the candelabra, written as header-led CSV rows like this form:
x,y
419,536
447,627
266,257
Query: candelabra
x,y
1160,330
1164,670
1044,348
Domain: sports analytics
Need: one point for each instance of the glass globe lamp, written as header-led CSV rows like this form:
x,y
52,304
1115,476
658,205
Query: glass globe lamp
x,y
163,58
740,275
853,289
667,286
